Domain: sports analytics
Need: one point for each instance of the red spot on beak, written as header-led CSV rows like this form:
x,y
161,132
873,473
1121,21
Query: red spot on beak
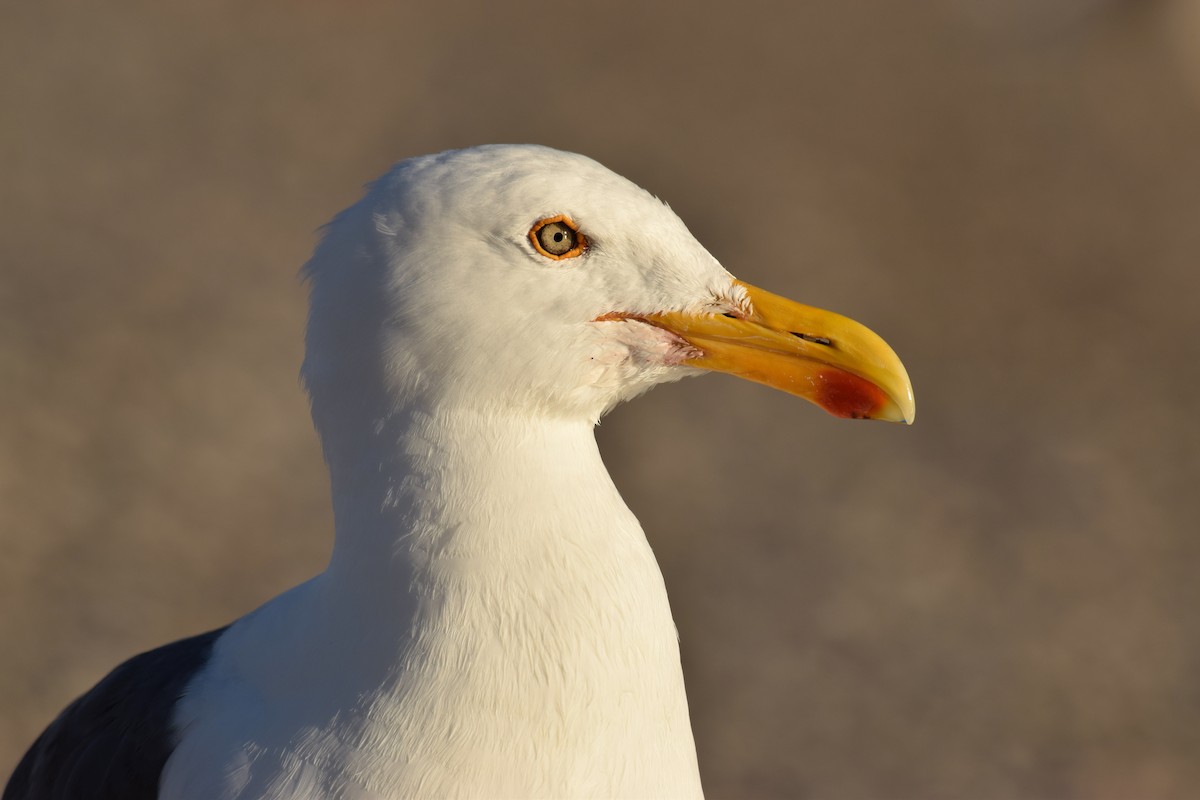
x,y
846,395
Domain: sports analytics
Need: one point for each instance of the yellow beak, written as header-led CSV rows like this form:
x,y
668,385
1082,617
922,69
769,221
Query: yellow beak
x,y
823,357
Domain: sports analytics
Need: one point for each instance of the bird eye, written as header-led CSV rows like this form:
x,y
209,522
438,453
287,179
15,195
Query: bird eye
x,y
557,237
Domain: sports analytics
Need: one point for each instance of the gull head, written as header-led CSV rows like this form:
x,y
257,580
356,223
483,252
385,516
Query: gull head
x,y
522,279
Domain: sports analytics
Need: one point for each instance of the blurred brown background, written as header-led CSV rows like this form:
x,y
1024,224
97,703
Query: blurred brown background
x,y
999,602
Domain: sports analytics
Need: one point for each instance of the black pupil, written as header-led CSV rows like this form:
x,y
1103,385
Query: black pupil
x,y
557,238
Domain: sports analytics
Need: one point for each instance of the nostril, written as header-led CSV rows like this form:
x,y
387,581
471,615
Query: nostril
x,y
808,337
731,316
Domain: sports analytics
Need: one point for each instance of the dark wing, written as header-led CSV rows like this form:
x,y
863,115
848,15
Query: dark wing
x,y
113,742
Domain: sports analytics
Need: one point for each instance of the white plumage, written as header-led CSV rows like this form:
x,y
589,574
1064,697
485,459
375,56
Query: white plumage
x,y
492,622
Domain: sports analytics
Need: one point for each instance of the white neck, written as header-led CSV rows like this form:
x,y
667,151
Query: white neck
x,y
495,616
471,494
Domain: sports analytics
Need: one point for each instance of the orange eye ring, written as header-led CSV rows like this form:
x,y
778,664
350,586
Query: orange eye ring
x,y
558,237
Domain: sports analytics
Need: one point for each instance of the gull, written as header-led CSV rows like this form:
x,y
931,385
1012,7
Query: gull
x,y
492,621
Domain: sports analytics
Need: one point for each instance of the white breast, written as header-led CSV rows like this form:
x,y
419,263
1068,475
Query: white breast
x,y
520,645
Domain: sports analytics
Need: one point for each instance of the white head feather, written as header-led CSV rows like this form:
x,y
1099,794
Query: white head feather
x,y
429,290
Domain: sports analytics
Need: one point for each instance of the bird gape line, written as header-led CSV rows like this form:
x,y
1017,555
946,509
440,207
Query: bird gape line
x,y
492,622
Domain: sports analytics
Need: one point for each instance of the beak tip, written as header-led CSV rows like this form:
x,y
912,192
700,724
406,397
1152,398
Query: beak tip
x,y
909,408
899,407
